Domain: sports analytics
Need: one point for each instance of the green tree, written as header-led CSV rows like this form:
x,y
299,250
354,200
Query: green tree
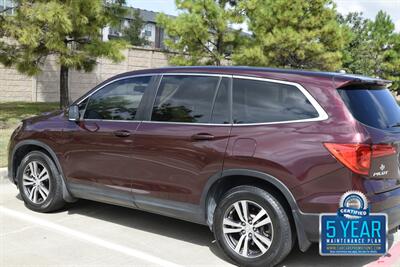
x,y
133,33
202,32
356,30
68,30
292,34
374,49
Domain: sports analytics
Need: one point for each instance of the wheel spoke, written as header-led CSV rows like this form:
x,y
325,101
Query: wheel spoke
x,y
31,169
239,212
263,222
231,230
27,183
259,244
35,168
44,178
35,195
44,189
27,178
239,243
232,223
31,193
263,239
259,216
42,193
245,210
245,251
43,172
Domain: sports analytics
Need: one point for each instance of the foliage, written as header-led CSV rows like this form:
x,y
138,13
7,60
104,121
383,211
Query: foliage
x,y
133,33
68,30
292,34
202,32
374,47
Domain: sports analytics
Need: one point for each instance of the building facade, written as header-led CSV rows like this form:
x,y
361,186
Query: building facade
x,y
153,33
7,5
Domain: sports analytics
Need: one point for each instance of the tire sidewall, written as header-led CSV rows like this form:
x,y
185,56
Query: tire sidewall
x,y
53,184
266,201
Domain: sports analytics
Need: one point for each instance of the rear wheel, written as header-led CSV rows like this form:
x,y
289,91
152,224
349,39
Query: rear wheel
x,y
252,227
39,183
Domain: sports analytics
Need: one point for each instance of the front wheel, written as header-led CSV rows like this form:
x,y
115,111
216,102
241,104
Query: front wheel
x,y
39,183
252,227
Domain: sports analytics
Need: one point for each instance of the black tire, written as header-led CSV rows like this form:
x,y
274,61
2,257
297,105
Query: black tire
x,y
54,200
282,234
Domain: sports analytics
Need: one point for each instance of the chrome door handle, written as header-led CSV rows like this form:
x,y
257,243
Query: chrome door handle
x,y
202,136
122,133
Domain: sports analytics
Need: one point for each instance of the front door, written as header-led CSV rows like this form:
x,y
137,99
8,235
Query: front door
x,y
99,157
183,142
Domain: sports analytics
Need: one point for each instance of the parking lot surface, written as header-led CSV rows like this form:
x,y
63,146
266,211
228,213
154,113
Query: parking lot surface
x,y
94,234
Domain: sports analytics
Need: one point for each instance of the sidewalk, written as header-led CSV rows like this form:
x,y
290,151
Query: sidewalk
x,y
3,173
391,259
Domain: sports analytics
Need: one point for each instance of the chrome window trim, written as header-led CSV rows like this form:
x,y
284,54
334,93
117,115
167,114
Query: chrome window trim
x,y
113,120
188,123
195,74
322,115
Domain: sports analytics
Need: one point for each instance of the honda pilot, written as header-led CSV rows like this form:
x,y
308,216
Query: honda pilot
x,y
256,154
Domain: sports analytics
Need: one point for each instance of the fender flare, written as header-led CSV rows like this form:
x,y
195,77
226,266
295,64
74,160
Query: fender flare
x,y
303,240
67,196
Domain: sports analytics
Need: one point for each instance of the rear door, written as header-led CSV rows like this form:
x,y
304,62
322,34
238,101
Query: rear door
x,y
183,141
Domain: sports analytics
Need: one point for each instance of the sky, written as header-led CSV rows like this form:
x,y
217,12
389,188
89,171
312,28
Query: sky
x,y
369,7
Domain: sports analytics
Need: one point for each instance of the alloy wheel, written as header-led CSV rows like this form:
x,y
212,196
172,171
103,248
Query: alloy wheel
x,y
36,182
248,229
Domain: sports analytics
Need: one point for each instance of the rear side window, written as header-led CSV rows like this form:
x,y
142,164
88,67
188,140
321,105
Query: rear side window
x,y
117,101
374,107
184,98
259,101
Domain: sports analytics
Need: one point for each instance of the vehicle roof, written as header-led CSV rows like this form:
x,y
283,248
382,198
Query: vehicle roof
x,y
261,71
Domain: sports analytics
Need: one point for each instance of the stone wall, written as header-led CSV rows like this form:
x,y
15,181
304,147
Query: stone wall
x,y
45,87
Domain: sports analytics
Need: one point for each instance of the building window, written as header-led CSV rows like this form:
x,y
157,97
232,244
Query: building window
x,y
147,30
7,4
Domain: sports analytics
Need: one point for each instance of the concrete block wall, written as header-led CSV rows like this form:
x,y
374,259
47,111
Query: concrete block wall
x,y
15,86
45,86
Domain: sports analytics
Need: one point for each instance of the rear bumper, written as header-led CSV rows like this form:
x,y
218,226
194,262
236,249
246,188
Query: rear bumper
x,y
388,203
394,218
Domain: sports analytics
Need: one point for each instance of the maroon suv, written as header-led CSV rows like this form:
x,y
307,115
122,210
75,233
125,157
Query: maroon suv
x,y
254,153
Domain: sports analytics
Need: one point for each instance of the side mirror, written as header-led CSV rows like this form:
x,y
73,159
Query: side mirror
x,y
73,113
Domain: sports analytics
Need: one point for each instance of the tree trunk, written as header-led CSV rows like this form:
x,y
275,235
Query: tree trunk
x,y
64,91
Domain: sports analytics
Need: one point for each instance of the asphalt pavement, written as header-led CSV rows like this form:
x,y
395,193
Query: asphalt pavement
x,y
87,233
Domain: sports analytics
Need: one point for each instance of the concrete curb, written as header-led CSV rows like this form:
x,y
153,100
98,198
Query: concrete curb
x,y
3,173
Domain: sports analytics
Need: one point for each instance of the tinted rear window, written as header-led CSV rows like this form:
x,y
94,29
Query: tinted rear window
x,y
259,101
373,107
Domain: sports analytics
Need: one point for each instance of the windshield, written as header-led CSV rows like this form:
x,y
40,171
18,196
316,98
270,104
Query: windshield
x,y
374,107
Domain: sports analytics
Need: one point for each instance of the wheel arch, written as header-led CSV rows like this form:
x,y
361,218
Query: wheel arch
x,y
26,146
218,184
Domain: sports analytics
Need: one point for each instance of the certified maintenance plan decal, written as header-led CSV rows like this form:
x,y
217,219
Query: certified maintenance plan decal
x,y
353,230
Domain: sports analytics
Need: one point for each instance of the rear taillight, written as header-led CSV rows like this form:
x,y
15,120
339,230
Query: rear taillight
x,y
357,157
383,150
